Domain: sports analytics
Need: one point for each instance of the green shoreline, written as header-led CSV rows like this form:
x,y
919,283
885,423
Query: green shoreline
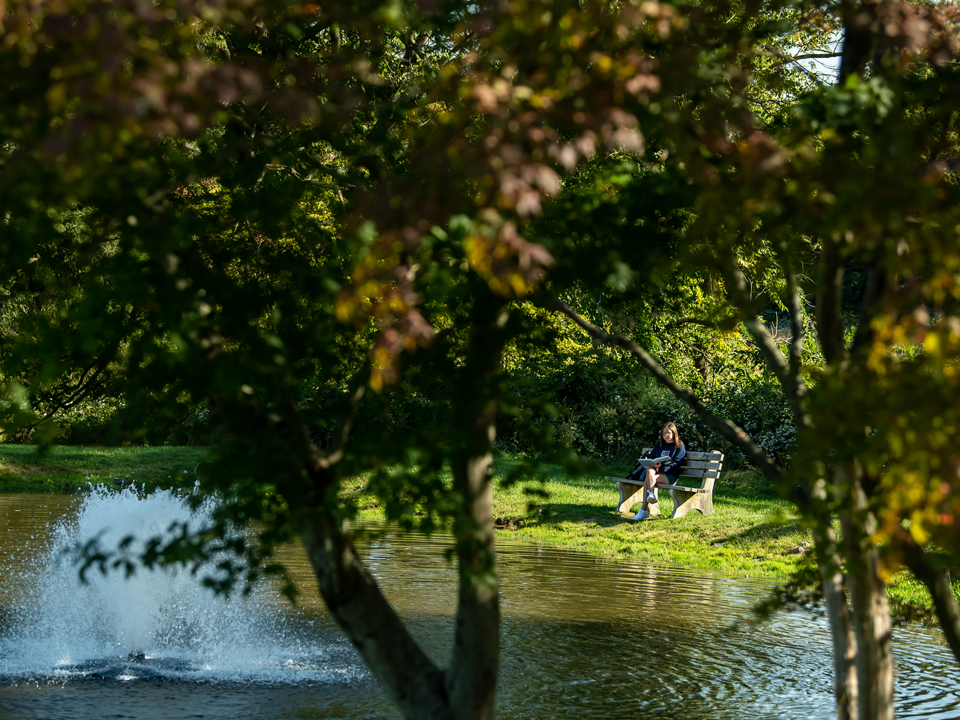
x,y
752,533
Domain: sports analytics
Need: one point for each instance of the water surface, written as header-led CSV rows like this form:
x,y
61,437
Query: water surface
x,y
580,637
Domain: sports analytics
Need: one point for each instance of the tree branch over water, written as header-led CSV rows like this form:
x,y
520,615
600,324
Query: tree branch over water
x,y
729,429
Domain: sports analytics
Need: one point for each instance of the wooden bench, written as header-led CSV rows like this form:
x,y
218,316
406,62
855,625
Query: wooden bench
x,y
705,466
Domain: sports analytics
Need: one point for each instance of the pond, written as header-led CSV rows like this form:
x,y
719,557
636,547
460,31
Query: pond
x,y
580,636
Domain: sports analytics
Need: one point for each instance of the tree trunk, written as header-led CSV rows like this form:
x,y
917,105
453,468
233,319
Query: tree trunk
x,y
838,612
868,596
409,677
420,689
472,675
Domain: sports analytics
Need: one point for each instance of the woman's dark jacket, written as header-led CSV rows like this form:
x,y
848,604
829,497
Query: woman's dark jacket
x,y
677,454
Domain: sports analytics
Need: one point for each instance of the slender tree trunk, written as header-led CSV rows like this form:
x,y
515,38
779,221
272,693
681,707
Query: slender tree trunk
x,y
868,597
472,675
841,631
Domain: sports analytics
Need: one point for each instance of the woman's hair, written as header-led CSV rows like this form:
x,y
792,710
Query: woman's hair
x,y
677,442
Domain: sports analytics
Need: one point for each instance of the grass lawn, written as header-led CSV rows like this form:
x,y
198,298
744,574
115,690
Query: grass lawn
x,y
68,468
752,532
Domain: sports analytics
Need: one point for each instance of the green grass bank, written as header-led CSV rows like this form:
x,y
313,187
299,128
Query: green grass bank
x,y
64,469
753,532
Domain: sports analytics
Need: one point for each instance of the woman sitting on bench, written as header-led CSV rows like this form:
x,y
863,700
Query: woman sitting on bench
x,y
669,446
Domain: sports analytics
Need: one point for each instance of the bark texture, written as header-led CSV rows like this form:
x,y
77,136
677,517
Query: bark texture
x,y
845,687
466,689
472,676
471,679
409,677
868,598
829,322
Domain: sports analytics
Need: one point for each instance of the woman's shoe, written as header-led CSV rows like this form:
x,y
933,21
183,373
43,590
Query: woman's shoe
x,y
641,515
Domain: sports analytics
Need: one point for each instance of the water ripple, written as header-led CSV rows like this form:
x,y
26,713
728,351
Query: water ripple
x,y
581,636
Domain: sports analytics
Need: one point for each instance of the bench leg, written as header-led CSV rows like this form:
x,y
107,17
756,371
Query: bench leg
x,y
630,494
706,504
684,502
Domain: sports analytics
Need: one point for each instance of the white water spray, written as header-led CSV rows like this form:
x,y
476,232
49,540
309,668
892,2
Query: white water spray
x,y
160,622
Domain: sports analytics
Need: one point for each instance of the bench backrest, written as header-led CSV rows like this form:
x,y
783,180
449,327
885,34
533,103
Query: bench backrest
x,y
706,465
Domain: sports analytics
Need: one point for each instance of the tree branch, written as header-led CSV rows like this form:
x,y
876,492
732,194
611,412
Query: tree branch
x,y
793,384
688,321
787,59
727,428
84,387
73,395
876,278
276,167
321,468
787,372
815,56
944,603
737,285
829,325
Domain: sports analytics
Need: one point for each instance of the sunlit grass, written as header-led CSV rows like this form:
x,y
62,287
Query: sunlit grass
x,y
910,600
26,468
751,532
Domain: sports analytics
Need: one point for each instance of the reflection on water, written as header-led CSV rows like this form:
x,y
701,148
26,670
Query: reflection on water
x,y
581,637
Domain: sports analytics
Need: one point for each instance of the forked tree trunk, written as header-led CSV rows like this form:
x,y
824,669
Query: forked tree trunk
x,y
420,689
465,691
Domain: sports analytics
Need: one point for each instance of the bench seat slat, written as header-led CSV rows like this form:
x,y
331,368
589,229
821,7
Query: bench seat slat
x,y
664,486
700,464
682,488
700,472
712,457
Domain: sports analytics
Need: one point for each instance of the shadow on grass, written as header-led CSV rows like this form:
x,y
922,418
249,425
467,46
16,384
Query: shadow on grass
x,y
555,513
768,531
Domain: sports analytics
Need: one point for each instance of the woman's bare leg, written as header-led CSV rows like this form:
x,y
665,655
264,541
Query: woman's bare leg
x,y
648,482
